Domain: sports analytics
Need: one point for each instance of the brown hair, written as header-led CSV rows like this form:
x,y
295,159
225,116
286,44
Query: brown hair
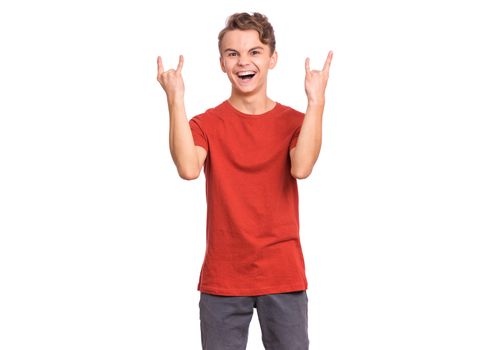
x,y
245,21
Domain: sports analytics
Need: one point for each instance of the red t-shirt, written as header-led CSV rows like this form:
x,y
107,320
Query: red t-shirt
x,y
252,234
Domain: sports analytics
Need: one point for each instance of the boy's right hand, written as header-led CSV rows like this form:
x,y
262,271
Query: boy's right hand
x,y
171,80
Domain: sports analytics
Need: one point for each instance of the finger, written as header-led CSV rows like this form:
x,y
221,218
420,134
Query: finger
x,y
328,61
307,65
160,65
181,63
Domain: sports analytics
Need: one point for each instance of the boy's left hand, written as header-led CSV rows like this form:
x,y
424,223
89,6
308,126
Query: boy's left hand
x,y
316,81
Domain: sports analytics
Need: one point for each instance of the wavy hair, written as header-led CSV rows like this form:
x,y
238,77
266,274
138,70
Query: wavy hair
x,y
246,21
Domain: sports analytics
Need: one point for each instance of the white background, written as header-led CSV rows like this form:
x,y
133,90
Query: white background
x,y
101,242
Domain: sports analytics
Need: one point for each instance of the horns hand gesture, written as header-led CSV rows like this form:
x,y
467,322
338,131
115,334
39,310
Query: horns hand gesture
x,y
171,80
316,80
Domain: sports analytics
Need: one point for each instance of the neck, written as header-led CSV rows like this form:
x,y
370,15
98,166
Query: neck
x,y
252,104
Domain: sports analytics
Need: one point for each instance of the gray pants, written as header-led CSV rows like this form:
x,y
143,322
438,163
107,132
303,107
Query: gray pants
x,y
283,320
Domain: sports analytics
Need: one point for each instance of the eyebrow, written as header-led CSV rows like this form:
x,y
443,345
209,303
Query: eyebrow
x,y
253,48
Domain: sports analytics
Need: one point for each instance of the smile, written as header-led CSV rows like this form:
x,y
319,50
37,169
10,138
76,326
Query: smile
x,y
246,75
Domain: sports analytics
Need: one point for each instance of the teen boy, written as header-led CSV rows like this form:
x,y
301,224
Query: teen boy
x,y
253,149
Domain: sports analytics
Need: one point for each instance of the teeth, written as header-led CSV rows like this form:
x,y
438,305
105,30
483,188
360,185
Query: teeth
x,y
240,74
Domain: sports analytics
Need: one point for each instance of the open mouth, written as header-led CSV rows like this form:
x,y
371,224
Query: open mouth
x,y
246,75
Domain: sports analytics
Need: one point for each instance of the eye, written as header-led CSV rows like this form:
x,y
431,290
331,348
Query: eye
x,y
232,54
255,52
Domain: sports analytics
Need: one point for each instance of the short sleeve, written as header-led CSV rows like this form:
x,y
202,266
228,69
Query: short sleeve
x,y
294,139
200,138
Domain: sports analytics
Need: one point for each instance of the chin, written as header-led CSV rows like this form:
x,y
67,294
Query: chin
x,y
246,90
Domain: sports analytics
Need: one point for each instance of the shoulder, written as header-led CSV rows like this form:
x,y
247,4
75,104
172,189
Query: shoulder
x,y
290,113
209,115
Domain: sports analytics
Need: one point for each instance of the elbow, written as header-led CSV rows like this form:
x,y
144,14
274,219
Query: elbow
x,y
187,174
300,173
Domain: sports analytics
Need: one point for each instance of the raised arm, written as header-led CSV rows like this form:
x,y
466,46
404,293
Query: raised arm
x,y
188,157
305,153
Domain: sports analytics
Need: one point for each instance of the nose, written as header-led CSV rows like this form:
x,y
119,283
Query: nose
x,y
243,60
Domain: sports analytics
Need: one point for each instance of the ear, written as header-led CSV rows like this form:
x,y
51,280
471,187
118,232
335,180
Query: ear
x,y
222,64
273,61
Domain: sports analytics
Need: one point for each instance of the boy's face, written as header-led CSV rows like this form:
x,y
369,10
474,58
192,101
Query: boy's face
x,y
246,61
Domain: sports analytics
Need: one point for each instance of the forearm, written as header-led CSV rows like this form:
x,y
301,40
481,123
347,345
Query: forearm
x,y
309,141
181,142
